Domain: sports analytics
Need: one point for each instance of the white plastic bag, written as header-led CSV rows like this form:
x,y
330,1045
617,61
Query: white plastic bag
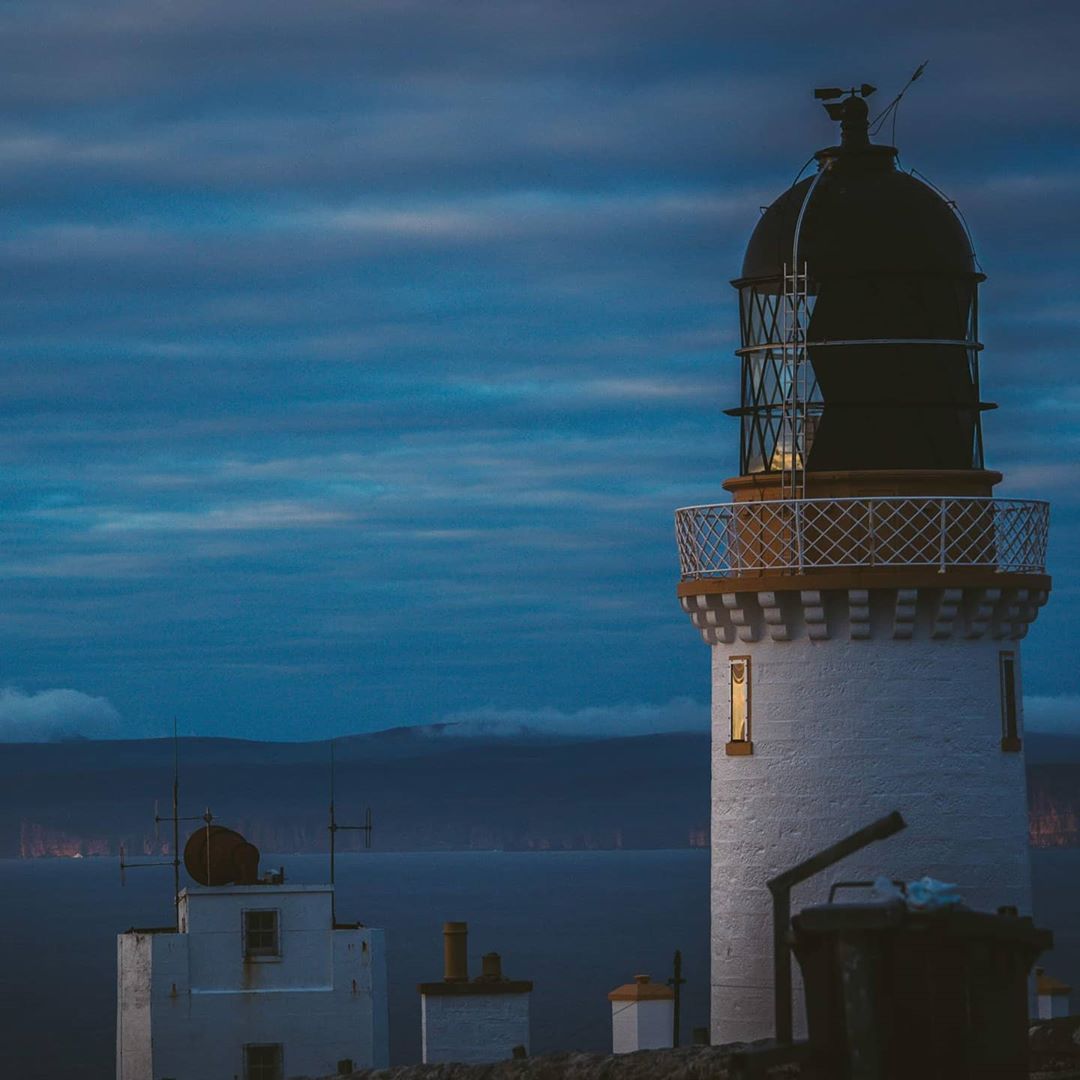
x,y
884,889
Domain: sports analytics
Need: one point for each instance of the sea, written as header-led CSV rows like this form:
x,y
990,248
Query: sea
x,y
576,923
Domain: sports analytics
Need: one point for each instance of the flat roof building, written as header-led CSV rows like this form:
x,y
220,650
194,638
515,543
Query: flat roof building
x,y
256,982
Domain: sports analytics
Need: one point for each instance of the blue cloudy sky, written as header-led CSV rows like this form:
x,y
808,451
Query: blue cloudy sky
x,y
355,354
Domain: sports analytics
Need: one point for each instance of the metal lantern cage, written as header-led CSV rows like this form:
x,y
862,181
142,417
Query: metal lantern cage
x,y
858,307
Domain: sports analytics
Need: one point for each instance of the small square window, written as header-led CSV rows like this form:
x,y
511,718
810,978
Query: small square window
x,y
265,1061
261,937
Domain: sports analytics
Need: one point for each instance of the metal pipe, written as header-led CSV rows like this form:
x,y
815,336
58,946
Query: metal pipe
x,y
176,821
781,886
332,829
676,983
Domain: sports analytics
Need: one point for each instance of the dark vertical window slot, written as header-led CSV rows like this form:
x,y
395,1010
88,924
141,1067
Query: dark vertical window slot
x,y
1010,732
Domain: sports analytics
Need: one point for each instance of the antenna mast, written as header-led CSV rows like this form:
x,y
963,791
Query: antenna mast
x,y
175,818
333,828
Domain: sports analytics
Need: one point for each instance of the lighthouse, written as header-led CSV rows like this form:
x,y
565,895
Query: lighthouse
x,y
862,591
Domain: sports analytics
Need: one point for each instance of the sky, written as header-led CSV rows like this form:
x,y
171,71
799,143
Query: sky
x,y
354,355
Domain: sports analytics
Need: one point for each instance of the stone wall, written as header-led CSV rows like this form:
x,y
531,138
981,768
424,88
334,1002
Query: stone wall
x,y
692,1063
473,1027
1055,1055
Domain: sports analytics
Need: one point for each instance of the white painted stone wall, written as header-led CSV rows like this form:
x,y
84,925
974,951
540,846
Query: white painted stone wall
x,y
845,731
189,1002
134,1058
642,1025
473,1028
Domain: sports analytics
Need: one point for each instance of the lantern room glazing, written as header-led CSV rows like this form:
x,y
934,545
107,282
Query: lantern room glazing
x,y
858,314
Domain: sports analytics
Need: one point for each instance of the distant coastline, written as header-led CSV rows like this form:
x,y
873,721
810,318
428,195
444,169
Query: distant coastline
x,y
430,790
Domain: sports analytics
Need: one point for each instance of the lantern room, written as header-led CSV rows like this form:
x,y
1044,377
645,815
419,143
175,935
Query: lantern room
x,y
858,304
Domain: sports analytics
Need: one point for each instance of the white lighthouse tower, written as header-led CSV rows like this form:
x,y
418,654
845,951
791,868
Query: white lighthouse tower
x,y
863,594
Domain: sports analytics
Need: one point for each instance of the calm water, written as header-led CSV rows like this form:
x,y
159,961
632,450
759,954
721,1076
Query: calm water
x,y
1056,876
576,923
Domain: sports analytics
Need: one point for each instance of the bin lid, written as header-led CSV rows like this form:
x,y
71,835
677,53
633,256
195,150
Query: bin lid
x,y
836,918
829,919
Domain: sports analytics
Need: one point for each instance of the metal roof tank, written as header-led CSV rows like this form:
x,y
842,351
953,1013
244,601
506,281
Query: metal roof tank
x,y
891,292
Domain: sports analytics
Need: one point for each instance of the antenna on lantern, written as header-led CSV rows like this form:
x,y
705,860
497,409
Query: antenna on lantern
x,y
894,106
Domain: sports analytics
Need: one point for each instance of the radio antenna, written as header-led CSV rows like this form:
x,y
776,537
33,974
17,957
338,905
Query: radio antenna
x,y
175,818
894,106
334,828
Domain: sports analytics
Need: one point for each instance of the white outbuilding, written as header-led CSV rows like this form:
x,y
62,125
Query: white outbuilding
x,y
1052,996
256,982
642,1016
476,1021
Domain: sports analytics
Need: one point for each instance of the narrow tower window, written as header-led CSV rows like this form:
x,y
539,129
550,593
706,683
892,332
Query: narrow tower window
x,y
739,668
1010,733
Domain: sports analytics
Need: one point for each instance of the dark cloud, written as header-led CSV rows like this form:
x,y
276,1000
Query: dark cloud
x,y
355,356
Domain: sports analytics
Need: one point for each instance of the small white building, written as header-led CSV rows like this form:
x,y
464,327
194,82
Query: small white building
x,y
1052,996
475,1022
257,983
642,1016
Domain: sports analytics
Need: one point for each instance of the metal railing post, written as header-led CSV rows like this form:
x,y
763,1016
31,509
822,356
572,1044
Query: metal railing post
x,y
731,543
941,526
799,553
781,908
870,531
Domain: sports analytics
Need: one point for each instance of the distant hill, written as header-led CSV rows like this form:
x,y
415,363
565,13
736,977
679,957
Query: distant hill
x,y
430,788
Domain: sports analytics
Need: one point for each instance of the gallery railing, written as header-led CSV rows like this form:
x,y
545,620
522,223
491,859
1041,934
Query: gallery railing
x,y
805,535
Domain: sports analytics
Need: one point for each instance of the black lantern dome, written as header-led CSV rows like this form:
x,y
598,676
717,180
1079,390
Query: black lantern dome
x,y
886,317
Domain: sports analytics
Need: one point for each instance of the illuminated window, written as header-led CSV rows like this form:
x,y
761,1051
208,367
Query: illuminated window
x,y
261,936
1010,732
739,679
264,1061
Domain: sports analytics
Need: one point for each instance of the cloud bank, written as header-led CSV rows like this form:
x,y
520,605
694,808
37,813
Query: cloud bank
x,y
50,715
609,721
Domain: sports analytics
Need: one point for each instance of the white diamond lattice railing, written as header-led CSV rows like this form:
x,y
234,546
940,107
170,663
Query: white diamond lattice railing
x,y
803,535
